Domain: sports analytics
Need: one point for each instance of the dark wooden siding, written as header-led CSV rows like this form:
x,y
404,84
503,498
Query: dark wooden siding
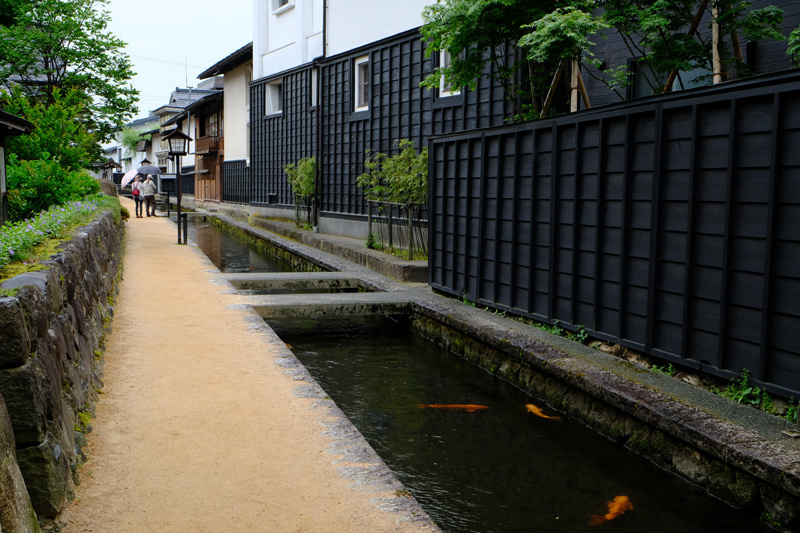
x,y
236,185
670,225
280,139
399,109
769,55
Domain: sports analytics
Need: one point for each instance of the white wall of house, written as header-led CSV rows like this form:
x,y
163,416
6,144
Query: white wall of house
x,y
288,36
285,36
236,98
354,23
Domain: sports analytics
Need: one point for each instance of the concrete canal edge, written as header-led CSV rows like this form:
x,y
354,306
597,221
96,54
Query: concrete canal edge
x,y
736,453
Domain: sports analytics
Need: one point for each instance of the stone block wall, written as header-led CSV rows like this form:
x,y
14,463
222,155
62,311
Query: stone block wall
x,y
51,336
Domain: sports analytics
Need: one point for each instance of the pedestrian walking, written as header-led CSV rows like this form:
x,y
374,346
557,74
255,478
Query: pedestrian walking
x,y
138,197
149,192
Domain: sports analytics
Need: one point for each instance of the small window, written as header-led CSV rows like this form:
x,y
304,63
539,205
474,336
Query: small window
x,y
361,83
313,89
279,6
248,77
274,98
445,89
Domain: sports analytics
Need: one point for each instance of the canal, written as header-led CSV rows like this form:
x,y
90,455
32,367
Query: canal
x,y
498,468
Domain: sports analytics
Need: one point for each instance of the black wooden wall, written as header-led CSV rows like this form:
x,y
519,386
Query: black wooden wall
x,y
399,109
277,140
670,225
236,182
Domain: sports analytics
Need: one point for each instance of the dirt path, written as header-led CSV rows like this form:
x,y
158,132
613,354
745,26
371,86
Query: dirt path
x,y
197,429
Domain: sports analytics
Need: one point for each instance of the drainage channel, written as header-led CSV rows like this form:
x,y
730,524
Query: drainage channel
x,y
464,442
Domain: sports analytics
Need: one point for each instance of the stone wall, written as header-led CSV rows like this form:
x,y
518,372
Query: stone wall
x,y
51,340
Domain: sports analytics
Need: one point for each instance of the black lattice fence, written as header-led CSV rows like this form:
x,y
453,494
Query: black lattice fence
x,y
670,225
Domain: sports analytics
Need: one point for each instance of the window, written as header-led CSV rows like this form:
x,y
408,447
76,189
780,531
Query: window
x,y
445,89
274,98
248,77
210,125
279,6
643,78
361,83
313,80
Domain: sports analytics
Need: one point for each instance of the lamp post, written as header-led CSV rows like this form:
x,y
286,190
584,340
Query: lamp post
x,y
178,146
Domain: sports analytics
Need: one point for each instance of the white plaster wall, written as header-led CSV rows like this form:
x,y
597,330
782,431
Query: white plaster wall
x,y
237,112
354,23
285,38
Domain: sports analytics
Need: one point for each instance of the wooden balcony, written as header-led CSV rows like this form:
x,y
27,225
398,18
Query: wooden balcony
x,y
210,144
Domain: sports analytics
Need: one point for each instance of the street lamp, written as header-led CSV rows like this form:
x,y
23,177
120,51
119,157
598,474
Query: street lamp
x,y
178,146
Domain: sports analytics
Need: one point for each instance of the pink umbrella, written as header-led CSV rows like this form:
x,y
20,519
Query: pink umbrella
x,y
128,177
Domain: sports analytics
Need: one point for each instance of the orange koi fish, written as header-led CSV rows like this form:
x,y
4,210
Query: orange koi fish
x,y
538,412
616,507
468,407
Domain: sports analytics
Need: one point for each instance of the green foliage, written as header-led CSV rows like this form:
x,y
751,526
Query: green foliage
x,y
561,35
667,369
478,34
301,177
19,238
61,132
793,51
791,411
51,44
656,34
401,178
742,391
35,186
130,141
372,242
555,329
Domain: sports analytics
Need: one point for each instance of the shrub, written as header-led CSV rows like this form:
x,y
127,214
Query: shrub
x,y
36,185
401,178
301,179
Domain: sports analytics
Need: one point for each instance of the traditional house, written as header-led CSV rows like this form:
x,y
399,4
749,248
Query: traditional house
x,y
333,79
222,125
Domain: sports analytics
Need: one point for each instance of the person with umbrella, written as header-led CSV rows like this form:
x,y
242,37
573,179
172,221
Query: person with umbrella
x,y
148,189
136,192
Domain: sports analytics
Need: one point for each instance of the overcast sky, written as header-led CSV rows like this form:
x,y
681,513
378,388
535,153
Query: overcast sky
x,y
170,42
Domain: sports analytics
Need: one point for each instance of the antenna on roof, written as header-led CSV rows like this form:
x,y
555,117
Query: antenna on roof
x,y
186,69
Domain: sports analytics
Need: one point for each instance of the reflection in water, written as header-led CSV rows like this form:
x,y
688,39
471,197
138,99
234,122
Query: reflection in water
x,y
228,252
500,469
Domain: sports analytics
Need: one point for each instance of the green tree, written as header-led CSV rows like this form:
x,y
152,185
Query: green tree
x,y
666,36
48,167
64,44
481,37
401,178
794,46
301,179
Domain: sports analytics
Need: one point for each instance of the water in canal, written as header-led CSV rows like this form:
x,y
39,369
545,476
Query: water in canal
x,y
502,469
499,470
227,251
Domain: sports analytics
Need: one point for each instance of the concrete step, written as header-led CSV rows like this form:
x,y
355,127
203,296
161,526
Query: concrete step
x,y
320,305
